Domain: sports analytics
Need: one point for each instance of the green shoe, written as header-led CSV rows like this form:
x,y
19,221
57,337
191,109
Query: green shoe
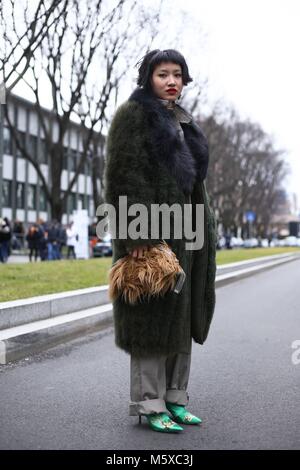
x,y
163,423
181,415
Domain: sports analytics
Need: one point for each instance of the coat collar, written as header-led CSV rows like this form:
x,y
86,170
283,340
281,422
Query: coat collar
x,y
187,161
181,114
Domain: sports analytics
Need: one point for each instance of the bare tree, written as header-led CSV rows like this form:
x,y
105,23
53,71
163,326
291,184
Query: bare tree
x,y
81,49
246,170
19,44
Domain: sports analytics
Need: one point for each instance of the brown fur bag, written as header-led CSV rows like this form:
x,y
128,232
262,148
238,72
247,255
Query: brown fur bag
x,y
157,272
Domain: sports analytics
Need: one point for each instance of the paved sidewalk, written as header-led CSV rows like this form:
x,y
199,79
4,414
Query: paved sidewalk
x,y
19,259
243,383
31,325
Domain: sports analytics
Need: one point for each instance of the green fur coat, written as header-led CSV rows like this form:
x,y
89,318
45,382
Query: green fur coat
x,y
147,161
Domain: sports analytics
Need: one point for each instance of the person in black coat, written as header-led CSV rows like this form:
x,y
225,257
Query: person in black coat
x,y
53,241
33,238
5,237
158,155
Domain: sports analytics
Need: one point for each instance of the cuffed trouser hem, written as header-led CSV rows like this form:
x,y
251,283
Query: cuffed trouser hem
x,y
146,407
178,397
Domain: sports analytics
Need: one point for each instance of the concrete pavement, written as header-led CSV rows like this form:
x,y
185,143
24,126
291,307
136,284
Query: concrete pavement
x,y
243,383
31,325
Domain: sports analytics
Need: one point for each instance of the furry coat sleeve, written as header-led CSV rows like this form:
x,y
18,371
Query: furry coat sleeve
x,y
129,170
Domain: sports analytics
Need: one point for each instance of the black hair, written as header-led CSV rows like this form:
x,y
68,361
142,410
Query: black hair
x,y
156,57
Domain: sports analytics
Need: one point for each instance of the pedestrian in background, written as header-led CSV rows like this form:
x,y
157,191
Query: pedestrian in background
x,y
19,233
71,240
53,241
62,239
43,246
33,238
5,237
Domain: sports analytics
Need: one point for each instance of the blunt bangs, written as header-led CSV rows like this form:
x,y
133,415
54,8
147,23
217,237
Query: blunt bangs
x,y
156,57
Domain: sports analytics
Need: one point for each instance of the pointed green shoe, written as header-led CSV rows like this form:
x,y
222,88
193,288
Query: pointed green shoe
x,y
181,415
163,423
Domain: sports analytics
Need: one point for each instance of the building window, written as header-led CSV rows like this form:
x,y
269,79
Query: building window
x,y
31,195
70,154
20,195
7,142
65,158
43,155
73,205
32,150
6,193
88,171
84,202
81,201
22,139
73,160
42,200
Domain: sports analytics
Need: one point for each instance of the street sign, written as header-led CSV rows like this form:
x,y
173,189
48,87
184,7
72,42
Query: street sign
x,y
250,216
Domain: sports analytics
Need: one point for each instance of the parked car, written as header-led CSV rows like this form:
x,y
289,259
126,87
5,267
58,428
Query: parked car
x,y
290,241
275,242
221,243
264,243
103,247
237,242
250,243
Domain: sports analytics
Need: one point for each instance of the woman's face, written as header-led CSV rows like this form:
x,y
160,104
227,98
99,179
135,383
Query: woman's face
x,y
167,76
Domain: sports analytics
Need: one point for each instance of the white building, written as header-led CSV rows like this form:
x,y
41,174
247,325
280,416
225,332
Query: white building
x,y
22,195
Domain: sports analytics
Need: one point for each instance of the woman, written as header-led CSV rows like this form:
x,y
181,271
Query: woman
x,y
5,237
33,238
71,240
157,154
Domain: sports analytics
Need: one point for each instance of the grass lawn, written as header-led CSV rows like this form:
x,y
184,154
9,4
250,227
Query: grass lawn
x,y
19,281
231,256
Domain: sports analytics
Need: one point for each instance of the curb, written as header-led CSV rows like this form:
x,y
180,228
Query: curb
x,y
20,312
237,274
21,341
23,338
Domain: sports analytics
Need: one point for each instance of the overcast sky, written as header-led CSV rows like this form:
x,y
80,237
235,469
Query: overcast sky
x,y
250,58
247,49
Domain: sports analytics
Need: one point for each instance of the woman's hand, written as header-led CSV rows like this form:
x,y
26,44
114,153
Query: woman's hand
x,y
139,252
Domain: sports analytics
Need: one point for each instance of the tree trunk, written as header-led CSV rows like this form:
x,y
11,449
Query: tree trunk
x,y
56,171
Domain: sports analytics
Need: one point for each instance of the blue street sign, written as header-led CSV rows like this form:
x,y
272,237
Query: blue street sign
x,y
250,216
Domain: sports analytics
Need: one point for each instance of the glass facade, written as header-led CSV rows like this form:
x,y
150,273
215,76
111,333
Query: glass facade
x,y
6,193
31,197
7,141
43,200
20,195
13,194
43,155
32,148
22,139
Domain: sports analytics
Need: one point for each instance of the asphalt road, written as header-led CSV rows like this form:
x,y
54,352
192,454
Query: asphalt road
x,y
243,383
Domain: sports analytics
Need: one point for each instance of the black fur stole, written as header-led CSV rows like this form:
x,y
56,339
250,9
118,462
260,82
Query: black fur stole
x,y
187,161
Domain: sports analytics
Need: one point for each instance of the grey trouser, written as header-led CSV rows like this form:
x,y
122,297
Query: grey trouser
x,y
156,380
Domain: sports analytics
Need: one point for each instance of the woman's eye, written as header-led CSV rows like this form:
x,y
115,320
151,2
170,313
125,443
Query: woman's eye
x,y
163,75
